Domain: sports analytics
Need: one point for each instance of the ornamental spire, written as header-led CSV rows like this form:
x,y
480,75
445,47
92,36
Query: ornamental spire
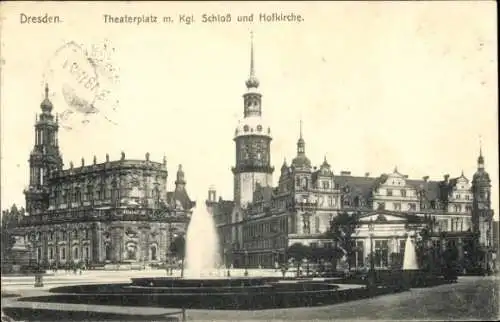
x,y
252,81
301,143
480,159
46,105
252,68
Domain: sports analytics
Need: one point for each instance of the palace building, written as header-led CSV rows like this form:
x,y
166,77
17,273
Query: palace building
x,y
116,211
263,220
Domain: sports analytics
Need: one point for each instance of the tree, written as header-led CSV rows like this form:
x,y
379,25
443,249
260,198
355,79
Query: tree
x,y
342,229
298,252
178,249
10,220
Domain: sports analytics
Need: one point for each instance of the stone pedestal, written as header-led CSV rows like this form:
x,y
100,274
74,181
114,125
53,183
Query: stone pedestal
x,y
20,254
38,280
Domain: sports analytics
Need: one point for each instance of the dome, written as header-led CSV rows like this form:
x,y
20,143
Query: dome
x,y
46,104
301,161
481,175
252,82
253,125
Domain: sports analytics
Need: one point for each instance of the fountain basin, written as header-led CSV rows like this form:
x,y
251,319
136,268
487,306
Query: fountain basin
x,y
227,294
205,282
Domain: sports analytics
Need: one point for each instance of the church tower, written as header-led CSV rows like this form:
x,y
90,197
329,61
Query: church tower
x,y
44,158
482,214
253,144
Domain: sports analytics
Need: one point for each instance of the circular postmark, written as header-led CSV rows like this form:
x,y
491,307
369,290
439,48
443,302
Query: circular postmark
x,y
81,81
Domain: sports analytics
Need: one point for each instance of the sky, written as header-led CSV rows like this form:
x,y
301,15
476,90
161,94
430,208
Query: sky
x,y
376,84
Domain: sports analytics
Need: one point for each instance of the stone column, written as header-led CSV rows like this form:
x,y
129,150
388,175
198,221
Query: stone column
x,y
97,244
144,243
460,249
163,246
116,243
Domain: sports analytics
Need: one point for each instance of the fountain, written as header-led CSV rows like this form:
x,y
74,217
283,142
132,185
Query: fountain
x,y
411,270
202,247
410,257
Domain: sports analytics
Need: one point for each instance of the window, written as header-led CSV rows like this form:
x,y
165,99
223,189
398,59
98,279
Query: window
x,y
359,260
412,207
443,224
397,206
316,223
51,253
108,252
75,253
63,253
38,254
403,193
381,206
381,253
153,253
326,185
87,252
402,246
389,192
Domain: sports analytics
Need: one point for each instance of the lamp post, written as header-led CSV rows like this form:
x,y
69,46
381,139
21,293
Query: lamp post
x,y
246,263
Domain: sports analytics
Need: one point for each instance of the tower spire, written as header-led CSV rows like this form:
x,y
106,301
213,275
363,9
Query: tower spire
x,y
46,105
252,81
252,67
301,143
480,159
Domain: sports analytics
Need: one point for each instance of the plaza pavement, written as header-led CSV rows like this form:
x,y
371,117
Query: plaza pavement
x,y
472,298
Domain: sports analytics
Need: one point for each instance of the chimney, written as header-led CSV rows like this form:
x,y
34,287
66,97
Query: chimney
x,y
367,174
446,177
426,178
345,173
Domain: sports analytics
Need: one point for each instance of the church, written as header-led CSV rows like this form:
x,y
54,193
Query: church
x,y
108,212
263,219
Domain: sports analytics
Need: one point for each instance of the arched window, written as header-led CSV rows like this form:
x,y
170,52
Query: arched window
x,y
316,224
153,253
108,252
63,253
